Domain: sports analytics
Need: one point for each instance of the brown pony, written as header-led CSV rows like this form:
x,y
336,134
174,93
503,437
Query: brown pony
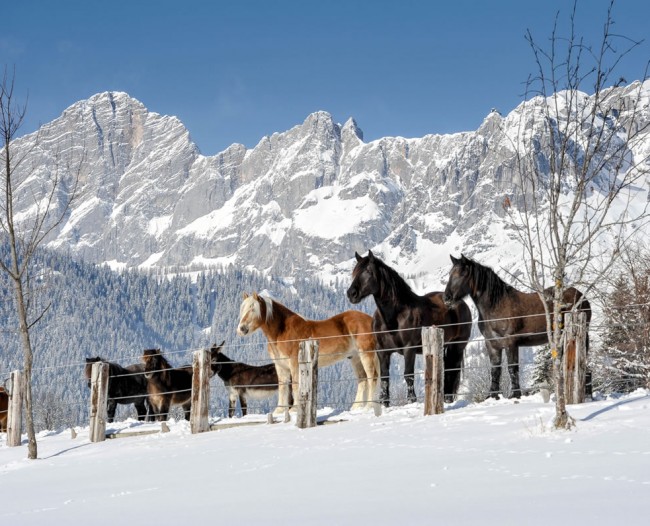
x,y
4,408
167,385
346,335
507,317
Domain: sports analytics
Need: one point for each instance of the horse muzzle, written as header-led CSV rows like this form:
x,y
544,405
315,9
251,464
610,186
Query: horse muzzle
x,y
353,296
242,330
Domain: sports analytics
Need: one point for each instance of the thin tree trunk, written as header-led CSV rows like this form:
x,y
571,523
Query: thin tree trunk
x,y
32,452
562,418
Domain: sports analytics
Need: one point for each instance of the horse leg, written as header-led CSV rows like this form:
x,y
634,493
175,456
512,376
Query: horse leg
x,y
163,410
150,410
384,372
453,364
187,409
409,368
513,371
495,370
362,382
111,405
141,409
370,364
232,403
295,374
243,404
284,385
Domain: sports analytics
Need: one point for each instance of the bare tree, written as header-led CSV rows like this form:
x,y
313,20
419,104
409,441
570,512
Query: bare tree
x,y
581,169
46,204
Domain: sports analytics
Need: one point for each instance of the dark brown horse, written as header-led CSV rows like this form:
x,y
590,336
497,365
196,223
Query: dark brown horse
x,y
126,385
399,318
168,385
244,381
4,408
507,317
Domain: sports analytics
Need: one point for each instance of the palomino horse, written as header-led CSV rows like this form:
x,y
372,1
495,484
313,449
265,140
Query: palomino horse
x,y
168,385
244,381
126,385
346,335
399,318
507,317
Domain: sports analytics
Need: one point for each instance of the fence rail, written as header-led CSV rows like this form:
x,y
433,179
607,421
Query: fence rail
x,y
433,352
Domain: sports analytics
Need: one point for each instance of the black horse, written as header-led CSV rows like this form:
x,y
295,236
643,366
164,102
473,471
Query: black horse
x,y
126,385
245,381
400,309
507,317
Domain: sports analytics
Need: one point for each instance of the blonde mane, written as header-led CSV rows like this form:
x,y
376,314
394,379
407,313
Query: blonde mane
x,y
253,302
269,306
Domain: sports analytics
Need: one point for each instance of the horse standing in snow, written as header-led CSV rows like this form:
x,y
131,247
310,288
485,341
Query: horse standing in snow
x,y
244,381
346,335
399,318
507,317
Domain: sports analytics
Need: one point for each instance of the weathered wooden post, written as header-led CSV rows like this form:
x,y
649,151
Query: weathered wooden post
x,y
575,356
15,415
307,384
433,342
98,399
200,391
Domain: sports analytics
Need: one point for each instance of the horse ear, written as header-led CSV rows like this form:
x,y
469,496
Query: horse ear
x,y
255,296
371,256
357,256
222,344
245,295
454,261
463,259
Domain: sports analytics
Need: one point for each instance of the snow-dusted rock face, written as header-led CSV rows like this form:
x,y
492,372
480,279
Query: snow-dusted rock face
x,y
302,201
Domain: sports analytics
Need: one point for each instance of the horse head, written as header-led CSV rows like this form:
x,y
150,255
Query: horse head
x,y
364,278
153,362
88,369
217,358
250,313
459,283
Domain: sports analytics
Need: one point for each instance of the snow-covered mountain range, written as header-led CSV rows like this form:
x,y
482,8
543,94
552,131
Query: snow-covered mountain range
x,y
301,201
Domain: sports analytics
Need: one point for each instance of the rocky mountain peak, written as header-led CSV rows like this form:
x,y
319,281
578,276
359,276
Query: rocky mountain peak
x,y
302,200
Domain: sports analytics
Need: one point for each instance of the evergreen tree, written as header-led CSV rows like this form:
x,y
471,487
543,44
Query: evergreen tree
x,y
625,354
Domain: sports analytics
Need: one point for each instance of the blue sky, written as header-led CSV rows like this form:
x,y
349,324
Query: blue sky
x,y
238,70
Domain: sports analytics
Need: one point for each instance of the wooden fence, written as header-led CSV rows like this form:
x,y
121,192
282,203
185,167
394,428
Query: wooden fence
x,y
432,350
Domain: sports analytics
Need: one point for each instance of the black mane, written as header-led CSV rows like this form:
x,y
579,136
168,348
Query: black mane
x,y
486,280
391,285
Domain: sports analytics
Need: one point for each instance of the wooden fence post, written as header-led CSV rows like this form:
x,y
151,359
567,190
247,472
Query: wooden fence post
x,y
15,415
199,422
433,342
581,354
98,399
307,384
575,356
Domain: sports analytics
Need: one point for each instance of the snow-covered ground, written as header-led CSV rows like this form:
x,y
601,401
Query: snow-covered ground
x,y
498,463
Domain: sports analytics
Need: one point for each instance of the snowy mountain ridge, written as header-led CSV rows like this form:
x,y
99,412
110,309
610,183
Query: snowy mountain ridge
x,y
301,201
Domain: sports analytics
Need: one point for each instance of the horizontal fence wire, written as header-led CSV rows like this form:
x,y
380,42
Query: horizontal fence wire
x,y
138,356
342,355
